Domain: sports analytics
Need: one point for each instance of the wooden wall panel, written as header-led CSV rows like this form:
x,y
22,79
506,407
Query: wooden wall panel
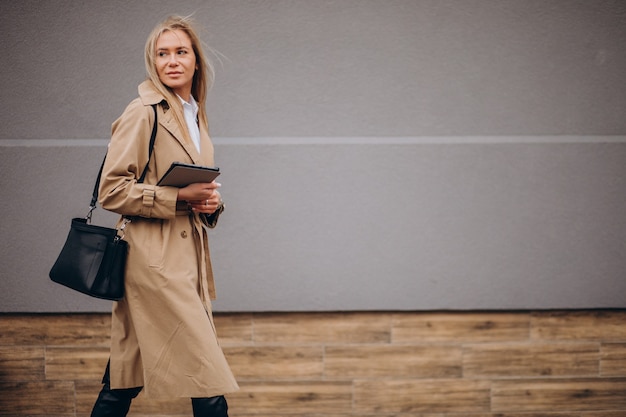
x,y
603,414
579,325
410,395
613,359
292,398
52,329
37,398
234,328
23,363
531,360
459,327
72,363
276,362
560,395
388,361
388,364
322,328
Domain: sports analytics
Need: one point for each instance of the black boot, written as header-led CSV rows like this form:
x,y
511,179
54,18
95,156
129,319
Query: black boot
x,y
210,407
113,402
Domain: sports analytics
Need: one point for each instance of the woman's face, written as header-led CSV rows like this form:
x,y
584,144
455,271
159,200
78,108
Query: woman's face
x,y
176,62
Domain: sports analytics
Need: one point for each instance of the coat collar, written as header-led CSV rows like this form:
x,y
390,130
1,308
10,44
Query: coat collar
x,y
149,95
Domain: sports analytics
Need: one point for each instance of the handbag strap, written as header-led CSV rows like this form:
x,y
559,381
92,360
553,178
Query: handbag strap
x,y
94,194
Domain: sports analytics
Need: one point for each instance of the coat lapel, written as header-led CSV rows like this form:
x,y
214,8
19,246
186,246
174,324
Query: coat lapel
x,y
149,96
169,123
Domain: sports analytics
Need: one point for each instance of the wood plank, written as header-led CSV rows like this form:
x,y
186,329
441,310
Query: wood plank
x,y
292,398
604,414
539,414
37,398
69,363
414,396
233,328
286,413
613,359
55,329
251,414
591,394
541,364
459,327
359,361
596,325
272,398
531,360
275,362
86,395
322,328
22,363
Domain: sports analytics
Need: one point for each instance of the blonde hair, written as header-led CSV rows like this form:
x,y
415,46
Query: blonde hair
x,y
202,79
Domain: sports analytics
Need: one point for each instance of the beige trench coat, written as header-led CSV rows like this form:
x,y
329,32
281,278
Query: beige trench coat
x,y
162,336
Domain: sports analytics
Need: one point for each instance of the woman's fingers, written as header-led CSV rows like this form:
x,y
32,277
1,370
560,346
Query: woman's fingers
x,y
205,206
199,191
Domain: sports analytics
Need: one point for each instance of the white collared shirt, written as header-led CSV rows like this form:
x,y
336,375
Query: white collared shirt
x,y
190,111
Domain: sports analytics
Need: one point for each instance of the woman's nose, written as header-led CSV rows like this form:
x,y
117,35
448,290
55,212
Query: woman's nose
x,y
173,60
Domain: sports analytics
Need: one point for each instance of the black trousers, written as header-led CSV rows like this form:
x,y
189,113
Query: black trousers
x,y
116,402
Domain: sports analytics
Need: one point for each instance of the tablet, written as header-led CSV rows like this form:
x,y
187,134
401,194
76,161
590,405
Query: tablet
x,y
180,174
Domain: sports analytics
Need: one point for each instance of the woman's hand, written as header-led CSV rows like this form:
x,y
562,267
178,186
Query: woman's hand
x,y
201,197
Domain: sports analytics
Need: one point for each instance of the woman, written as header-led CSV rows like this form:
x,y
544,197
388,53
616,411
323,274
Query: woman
x,y
163,337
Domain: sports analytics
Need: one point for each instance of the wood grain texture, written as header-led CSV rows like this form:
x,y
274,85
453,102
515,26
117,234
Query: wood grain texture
x,y
410,395
37,398
55,329
602,325
276,362
560,395
234,328
388,364
322,328
527,360
459,327
613,359
74,363
603,414
292,398
22,363
86,394
374,361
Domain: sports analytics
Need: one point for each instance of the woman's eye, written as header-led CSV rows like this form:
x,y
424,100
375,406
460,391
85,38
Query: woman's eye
x,y
182,52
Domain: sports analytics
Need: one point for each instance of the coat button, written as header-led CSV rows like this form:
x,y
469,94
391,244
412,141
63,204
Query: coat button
x,y
183,234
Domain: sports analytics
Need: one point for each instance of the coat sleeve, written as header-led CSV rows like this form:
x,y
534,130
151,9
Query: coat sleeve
x,y
126,158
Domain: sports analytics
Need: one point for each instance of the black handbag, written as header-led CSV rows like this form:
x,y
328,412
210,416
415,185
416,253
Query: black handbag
x,y
93,258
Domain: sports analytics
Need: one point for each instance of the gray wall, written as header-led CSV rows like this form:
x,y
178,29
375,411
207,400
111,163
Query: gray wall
x,y
399,154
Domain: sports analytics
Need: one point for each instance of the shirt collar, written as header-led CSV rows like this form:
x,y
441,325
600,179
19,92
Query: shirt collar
x,y
191,105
